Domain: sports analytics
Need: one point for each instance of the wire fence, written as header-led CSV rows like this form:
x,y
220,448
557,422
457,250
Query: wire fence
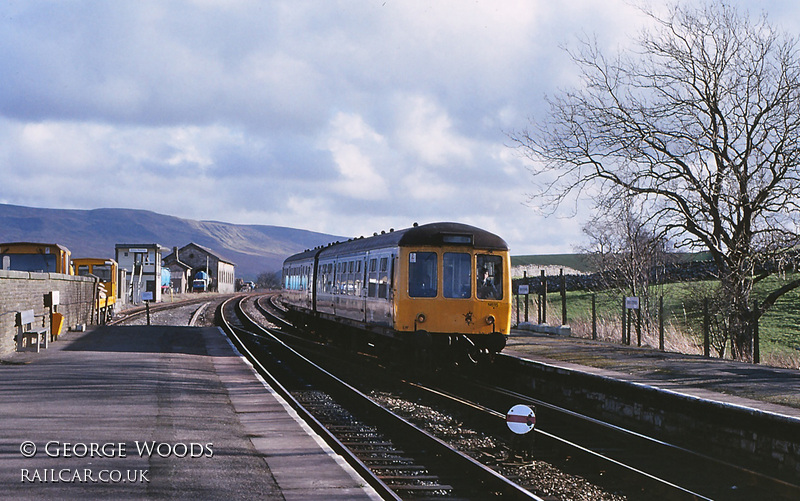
x,y
687,323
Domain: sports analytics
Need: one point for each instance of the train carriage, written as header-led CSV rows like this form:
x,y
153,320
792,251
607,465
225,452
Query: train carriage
x,y
444,286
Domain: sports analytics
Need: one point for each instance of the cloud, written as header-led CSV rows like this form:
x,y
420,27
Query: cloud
x,y
346,117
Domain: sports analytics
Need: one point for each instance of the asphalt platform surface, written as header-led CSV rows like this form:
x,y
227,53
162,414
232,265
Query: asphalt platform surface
x,y
155,413
769,389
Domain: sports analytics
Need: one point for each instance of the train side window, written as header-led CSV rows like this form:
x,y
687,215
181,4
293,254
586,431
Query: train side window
x,y
372,285
422,274
457,273
490,276
383,278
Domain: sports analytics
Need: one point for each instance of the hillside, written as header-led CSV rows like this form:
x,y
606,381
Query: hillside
x,y
94,233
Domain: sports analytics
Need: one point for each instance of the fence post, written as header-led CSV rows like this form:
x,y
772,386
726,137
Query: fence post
x,y
706,341
594,317
628,333
661,323
527,301
639,327
525,277
543,303
563,298
624,313
517,305
756,349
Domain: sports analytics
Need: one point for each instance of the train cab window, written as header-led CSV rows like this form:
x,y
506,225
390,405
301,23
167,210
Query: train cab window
x,y
422,274
457,273
83,270
102,271
490,276
30,262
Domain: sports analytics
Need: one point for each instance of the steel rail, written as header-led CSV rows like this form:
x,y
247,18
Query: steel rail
x,y
478,471
744,475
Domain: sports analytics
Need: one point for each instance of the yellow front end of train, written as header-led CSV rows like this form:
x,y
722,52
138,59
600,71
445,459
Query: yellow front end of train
x,y
457,292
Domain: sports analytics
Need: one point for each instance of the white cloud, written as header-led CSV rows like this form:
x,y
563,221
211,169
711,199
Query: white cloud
x,y
355,147
341,117
426,131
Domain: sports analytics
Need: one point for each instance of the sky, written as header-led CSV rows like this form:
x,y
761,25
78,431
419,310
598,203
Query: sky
x,y
343,117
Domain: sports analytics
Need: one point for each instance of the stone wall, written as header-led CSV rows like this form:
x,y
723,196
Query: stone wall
x,y
760,440
28,291
678,272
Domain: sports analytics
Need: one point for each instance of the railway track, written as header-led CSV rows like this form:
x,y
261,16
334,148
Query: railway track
x,y
135,314
625,463
620,460
398,459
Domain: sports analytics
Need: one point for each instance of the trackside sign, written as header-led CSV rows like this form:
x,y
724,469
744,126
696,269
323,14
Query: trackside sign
x,y
520,419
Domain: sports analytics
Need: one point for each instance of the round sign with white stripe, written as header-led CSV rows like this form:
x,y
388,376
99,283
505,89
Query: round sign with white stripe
x,y
520,419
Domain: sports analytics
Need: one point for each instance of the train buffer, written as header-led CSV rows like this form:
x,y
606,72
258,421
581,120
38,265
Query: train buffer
x,y
30,338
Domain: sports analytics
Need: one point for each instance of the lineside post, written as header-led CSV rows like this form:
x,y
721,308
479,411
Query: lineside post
x,y
661,323
527,296
706,341
594,316
756,349
563,297
543,302
639,327
624,314
628,332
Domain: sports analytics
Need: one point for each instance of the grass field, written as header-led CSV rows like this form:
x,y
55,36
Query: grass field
x,y
779,328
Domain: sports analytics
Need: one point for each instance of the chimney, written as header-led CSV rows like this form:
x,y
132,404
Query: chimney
x,y
175,253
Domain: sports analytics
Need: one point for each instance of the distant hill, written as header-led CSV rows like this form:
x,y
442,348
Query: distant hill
x,y
94,233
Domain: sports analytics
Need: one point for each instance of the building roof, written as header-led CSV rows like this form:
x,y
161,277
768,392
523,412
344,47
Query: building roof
x,y
146,246
201,248
171,261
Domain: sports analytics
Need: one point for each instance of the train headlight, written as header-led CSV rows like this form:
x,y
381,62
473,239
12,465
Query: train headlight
x,y
490,320
421,318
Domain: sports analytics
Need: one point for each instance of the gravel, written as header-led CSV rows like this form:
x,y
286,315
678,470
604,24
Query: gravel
x,y
539,477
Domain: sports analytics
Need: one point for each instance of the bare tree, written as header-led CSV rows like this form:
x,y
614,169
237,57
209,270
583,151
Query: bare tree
x,y
702,125
269,280
628,254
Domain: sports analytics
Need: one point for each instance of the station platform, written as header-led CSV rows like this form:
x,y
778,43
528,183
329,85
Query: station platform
x,y
156,413
769,389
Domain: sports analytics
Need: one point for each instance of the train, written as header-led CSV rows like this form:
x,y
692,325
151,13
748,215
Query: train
x,y
106,272
201,282
438,288
35,257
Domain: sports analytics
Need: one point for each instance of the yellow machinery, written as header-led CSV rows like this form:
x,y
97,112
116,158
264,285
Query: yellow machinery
x,y
34,257
106,271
